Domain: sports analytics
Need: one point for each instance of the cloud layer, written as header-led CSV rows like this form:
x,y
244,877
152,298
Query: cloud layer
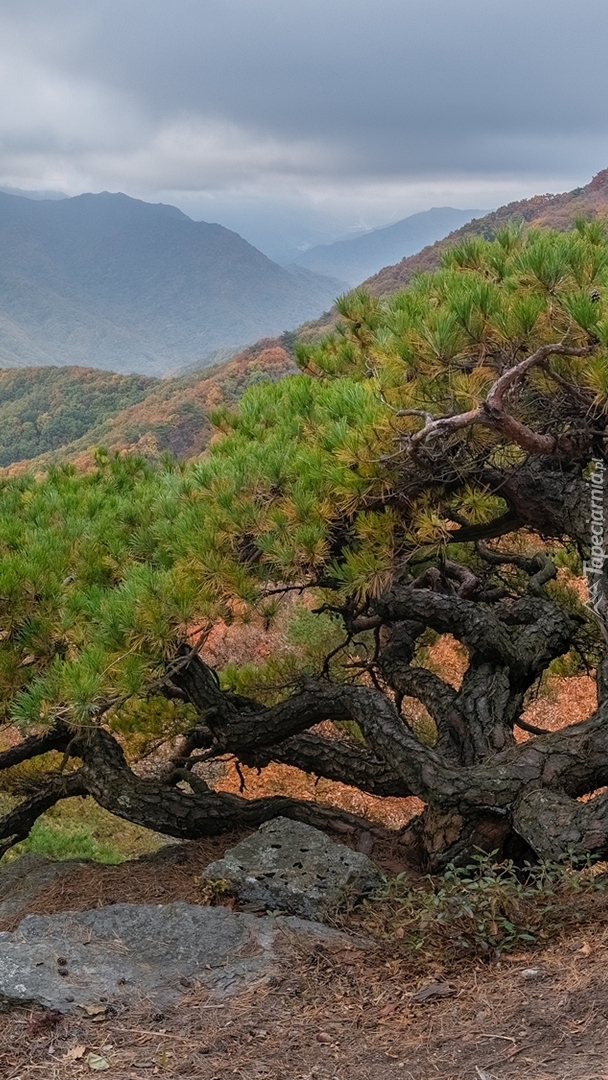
x,y
352,104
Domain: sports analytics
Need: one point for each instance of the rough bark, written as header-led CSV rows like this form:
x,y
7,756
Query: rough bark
x,y
470,806
481,787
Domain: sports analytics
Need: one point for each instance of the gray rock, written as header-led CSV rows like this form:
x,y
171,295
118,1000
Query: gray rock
x,y
128,953
23,879
292,867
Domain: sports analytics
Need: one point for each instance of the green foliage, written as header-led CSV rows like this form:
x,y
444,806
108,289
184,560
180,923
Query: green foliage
x,y
313,634
483,909
305,641
102,575
80,829
68,840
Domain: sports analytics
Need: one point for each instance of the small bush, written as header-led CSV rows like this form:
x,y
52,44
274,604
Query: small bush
x,y
67,840
80,829
483,909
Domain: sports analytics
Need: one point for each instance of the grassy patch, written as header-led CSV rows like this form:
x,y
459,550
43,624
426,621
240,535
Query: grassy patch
x,y
80,829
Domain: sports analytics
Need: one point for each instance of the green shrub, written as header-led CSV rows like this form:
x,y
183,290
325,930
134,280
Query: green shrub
x,y
67,840
483,909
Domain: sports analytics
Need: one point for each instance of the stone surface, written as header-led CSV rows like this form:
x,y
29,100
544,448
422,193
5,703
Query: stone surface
x,y
22,880
292,867
128,953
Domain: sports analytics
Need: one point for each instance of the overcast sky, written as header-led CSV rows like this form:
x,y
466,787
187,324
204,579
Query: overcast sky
x,y
310,117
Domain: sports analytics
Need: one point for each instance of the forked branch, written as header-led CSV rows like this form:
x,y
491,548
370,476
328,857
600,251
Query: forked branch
x,y
493,414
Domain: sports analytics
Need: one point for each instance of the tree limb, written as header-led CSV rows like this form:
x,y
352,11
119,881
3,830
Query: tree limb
x,y
339,760
32,747
16,825
492,414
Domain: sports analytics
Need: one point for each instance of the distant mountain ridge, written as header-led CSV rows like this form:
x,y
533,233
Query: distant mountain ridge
x,y
111,282
358,257
34,194
171,414
549,211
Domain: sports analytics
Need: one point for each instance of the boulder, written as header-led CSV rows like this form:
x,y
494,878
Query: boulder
x,y
288,866
125,954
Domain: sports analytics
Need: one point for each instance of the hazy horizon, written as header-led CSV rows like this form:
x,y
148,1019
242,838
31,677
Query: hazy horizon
x,y
294,124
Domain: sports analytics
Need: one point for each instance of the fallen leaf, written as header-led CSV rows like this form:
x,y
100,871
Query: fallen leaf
x,y
348,956
388,1009
95,1010
42,1021
75,1053
433,990
97,1063
585,949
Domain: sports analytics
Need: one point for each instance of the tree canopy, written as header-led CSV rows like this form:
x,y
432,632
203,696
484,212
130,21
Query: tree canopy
x,y
427,473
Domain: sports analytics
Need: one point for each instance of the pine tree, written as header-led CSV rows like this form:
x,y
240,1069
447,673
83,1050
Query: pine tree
x,y
430,471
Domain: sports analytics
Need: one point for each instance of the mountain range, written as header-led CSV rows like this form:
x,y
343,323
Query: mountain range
x,y
51,415
359,257
542,211
111,282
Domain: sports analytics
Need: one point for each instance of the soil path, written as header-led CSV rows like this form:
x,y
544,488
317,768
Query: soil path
x,y
332,1016
330,1013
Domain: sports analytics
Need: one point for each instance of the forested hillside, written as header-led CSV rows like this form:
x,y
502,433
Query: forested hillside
x,y
112,282
63,414
44,409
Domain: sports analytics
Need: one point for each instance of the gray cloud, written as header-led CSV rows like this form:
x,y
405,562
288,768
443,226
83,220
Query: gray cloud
x,y
361,103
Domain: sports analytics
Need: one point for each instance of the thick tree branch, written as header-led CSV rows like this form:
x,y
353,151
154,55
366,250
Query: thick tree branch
x,y
492,413
191,815
32,747
16,825
506,523
337,759
476,626
558,827
544,633
551,498
540,567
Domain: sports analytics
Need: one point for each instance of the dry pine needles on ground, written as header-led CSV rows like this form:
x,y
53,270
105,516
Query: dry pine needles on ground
x,y
348,1015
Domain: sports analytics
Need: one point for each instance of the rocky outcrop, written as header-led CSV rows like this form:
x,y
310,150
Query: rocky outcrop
x,y
292,867
126,954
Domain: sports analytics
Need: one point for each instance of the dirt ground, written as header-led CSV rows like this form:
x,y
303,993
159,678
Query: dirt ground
x,y
334,1013
342,1015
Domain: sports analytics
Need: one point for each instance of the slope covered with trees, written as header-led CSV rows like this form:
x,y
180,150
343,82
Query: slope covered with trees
x,y
44,409
430,473
84,409
112,282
